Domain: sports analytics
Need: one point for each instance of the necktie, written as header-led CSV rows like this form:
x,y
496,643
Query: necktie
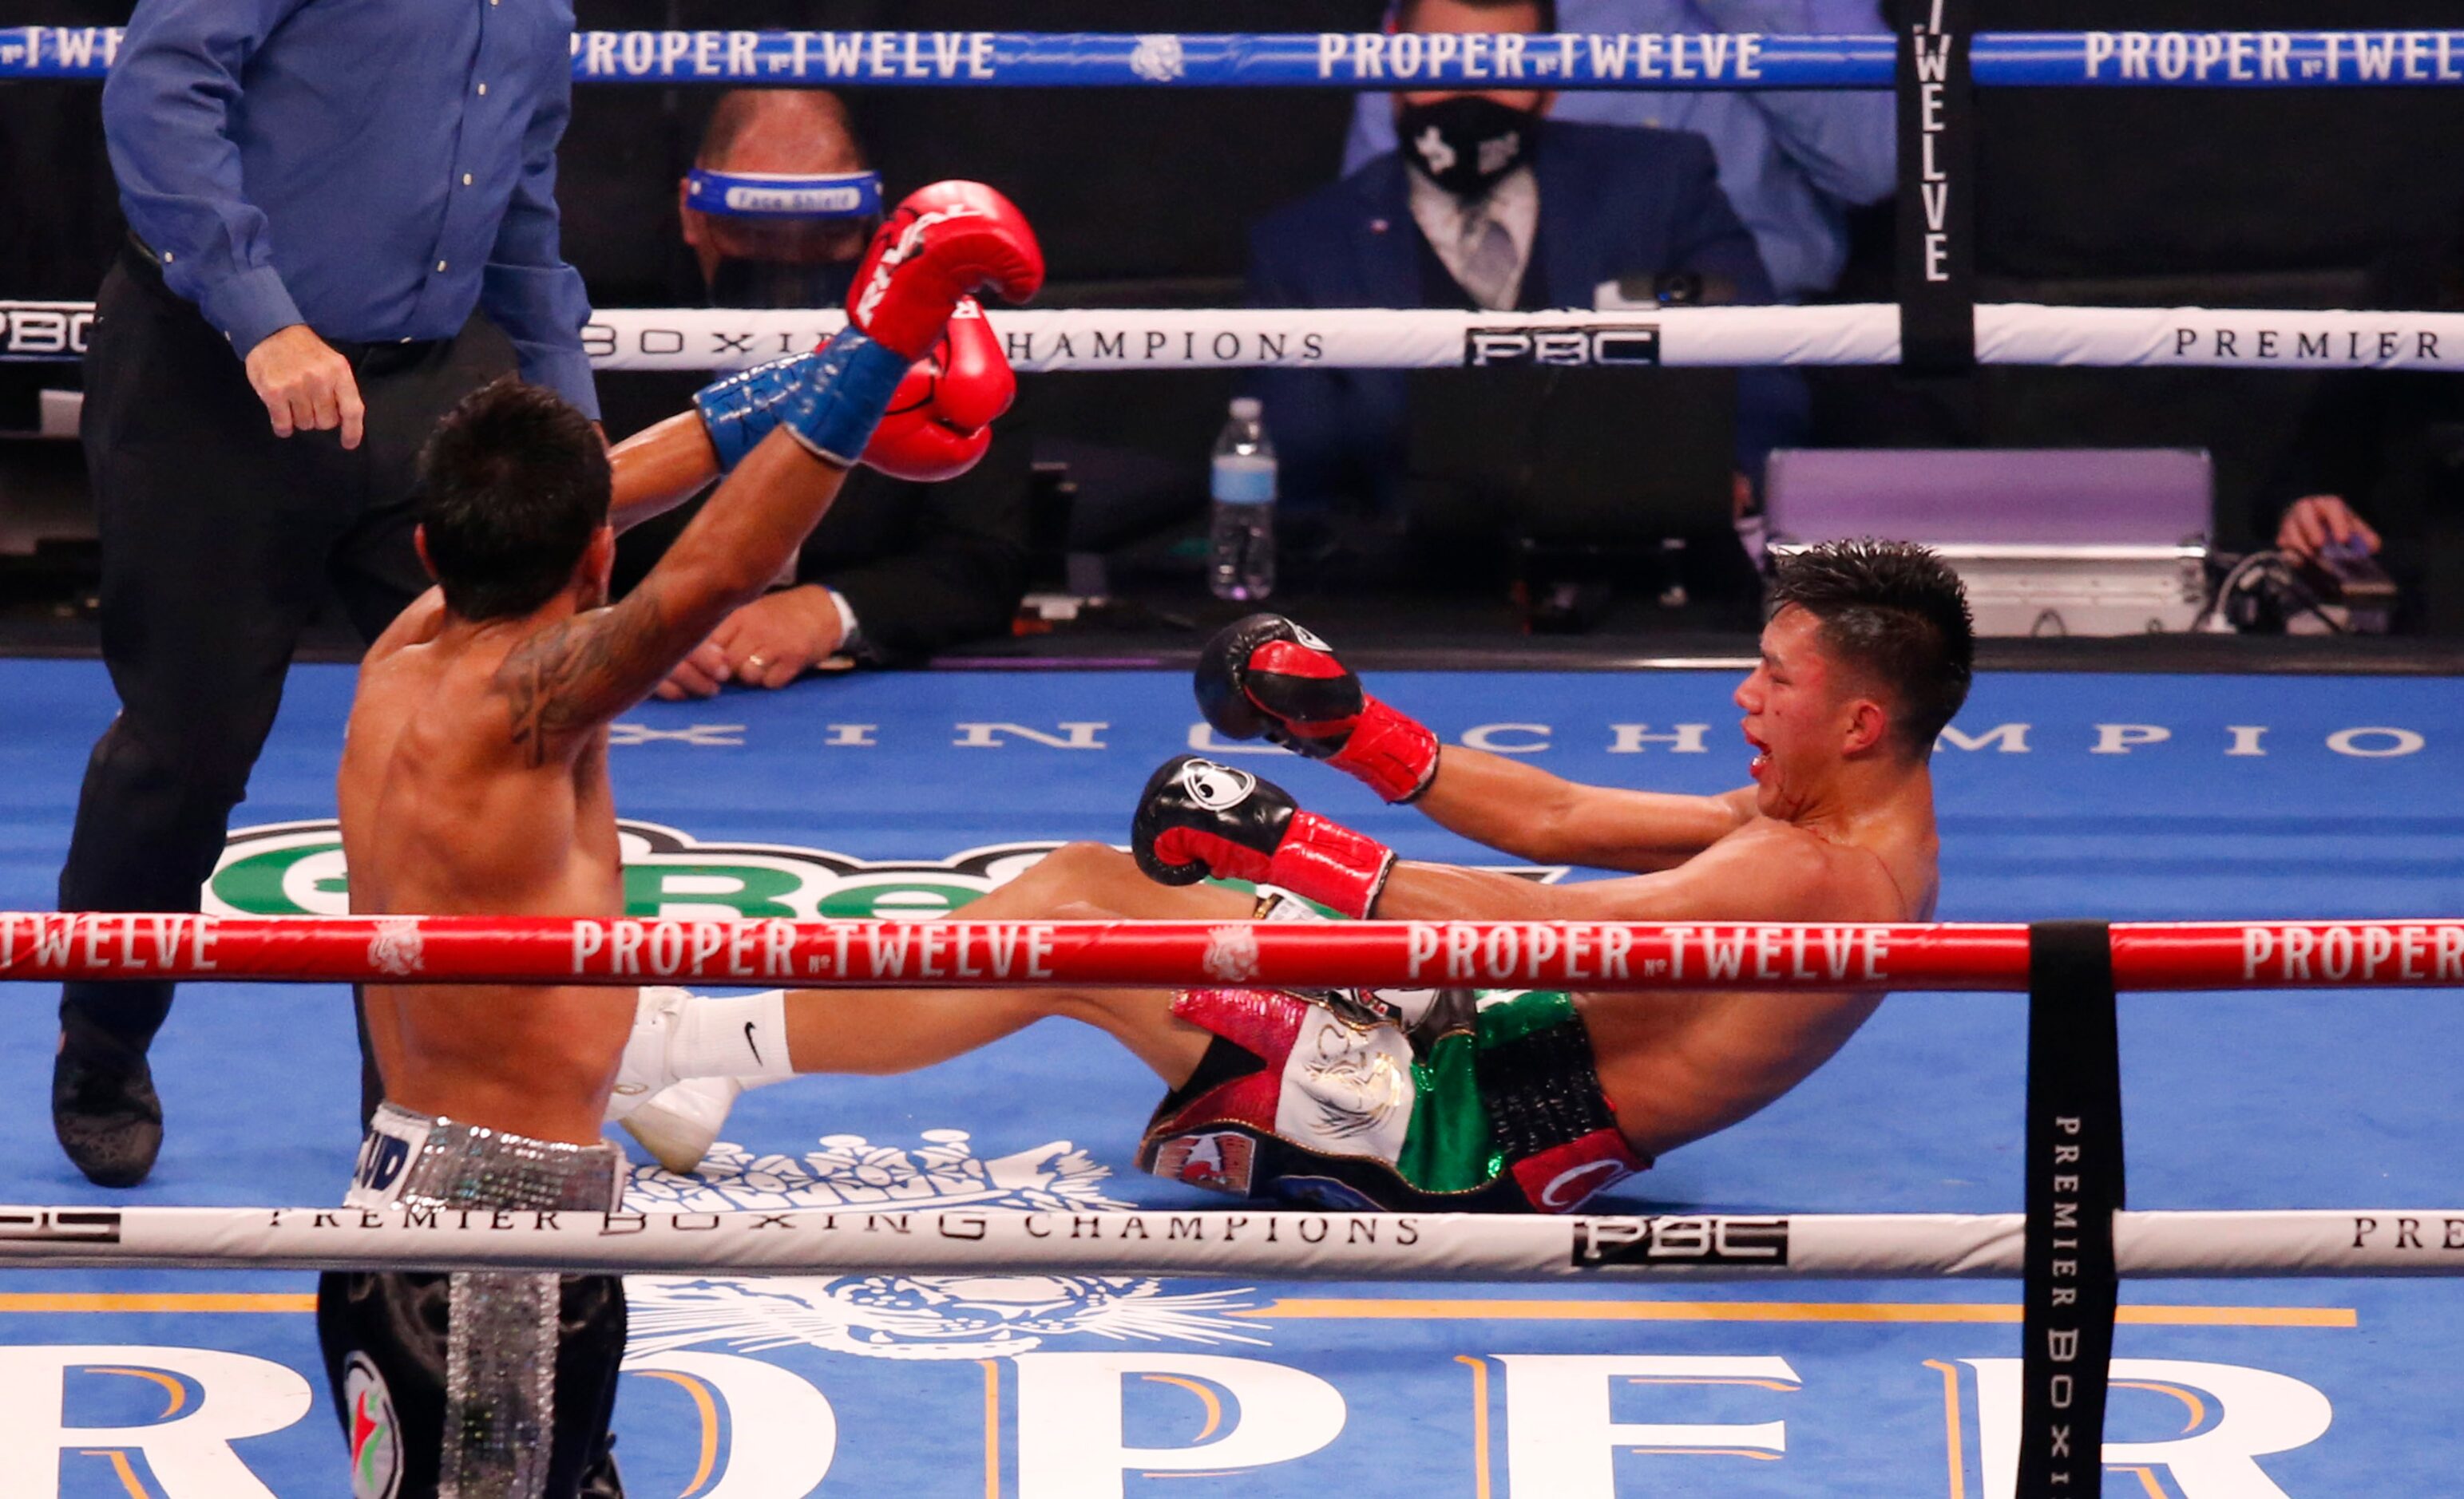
x,y
1489,273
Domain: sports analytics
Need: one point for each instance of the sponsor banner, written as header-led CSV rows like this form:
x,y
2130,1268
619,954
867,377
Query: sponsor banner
x,y
1980,734
1329,1243
297,869
1659,61
1852,334
1934,260
700,339
1381,955
966,1382
1856,334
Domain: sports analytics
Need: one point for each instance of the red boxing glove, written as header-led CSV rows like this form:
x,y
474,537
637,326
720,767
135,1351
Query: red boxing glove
x,y
941,417
1266,675
945,241
1197,818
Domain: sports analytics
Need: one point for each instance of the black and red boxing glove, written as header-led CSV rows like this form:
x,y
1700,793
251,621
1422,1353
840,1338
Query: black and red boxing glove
x,y
1266,675
945,241
1197,818
940,417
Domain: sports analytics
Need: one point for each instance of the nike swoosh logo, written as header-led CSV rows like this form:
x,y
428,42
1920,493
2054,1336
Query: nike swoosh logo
x,y
754,1046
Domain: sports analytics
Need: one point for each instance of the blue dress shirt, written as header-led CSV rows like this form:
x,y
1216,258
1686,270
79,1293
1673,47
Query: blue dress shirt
x,y
1790,161
373,168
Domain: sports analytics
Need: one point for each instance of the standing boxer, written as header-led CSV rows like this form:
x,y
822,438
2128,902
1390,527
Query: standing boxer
x,y
318,265
474,779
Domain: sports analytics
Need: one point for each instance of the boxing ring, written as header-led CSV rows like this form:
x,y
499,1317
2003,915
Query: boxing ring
x,y
954,1282
898,796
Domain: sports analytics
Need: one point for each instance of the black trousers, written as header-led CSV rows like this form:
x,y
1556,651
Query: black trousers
x,y
219,543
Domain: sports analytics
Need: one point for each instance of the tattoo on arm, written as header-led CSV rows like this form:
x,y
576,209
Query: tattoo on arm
x,y
572,679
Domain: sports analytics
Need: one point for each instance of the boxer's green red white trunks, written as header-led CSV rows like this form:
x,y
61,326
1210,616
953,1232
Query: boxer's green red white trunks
x,y
1448,1101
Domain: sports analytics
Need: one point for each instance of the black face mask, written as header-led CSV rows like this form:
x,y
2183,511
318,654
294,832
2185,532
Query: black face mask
x,y
780,283
1466,144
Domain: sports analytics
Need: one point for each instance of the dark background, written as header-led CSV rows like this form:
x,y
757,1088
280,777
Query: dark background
x,y
2260,198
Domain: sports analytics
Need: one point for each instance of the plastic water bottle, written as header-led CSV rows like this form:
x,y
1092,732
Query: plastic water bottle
x,y
1241,552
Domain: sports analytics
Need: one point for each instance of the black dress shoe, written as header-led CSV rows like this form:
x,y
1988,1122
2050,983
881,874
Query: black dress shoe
x,y
105,1113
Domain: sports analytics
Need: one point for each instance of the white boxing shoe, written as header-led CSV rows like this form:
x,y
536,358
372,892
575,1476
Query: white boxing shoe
x,y
676,1119
645,1069
679,1123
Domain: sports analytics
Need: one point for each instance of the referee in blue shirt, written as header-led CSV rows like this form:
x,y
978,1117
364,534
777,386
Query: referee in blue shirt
x,y
342,219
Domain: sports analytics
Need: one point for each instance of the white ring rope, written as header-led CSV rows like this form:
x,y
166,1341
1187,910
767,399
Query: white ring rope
x,y
1852,334
1266,1244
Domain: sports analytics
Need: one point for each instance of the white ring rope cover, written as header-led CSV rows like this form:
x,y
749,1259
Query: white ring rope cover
x,y
1262,1242
1849,334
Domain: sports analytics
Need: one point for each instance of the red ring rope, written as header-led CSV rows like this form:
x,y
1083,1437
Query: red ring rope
x,y
1589,955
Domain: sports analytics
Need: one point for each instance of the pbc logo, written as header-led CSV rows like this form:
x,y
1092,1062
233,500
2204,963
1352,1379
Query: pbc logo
x,y
1674,1242
1562,348
44,330
59,1225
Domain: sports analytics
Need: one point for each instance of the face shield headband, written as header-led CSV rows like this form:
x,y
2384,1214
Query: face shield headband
x,y
774,196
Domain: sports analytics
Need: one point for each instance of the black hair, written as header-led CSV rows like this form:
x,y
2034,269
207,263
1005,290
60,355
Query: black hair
x,y
1895,611
512,484
1547,9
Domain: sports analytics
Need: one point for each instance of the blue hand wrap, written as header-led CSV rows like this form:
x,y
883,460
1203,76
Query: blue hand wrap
x,y
833,409
740,410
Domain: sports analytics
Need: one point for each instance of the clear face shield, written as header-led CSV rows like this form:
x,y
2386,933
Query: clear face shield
x,y
784,239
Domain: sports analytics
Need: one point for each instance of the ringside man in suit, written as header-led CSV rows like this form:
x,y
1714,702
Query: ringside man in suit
x,y
1488,204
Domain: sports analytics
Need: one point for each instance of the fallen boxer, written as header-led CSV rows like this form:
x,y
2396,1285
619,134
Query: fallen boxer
x,y
1442,1099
